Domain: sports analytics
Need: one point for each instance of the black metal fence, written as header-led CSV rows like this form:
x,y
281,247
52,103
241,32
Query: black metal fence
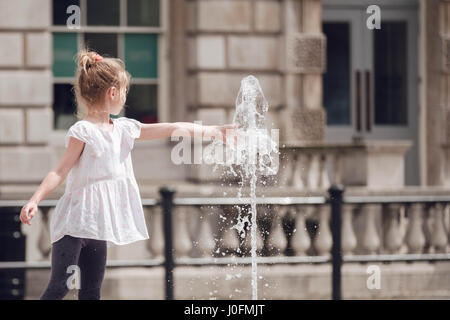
x,y
168,201
12,248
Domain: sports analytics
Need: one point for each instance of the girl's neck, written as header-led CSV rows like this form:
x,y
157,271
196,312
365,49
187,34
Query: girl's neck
x,y
101,117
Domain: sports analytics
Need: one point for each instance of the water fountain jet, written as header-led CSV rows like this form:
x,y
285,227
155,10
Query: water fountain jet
x,y
255,153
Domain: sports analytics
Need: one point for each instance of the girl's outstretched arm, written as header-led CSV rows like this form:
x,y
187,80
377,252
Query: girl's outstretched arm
x,y
184,129
53,179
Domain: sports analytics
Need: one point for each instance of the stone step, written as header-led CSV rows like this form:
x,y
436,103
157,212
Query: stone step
x,y
419,280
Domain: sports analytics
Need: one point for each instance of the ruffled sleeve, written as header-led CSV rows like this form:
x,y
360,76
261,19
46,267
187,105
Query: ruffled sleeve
x,y
80,132
84,132
131,130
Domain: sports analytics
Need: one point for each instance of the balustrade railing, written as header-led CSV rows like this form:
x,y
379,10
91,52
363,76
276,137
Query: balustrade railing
x,y
335,229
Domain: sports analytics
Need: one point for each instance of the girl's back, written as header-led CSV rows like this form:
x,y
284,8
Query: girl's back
x,y
102,199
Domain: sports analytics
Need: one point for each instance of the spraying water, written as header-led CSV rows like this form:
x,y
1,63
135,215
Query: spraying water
x,y
255,153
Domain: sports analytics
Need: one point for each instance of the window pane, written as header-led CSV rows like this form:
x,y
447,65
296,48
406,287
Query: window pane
x,y
103,43
390,73
142,102
60,14
336,79
63,106
143,13
64,51
103,12
141,55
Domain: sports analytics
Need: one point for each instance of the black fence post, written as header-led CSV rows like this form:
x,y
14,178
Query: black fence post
x,y
167,194
336,197
13,246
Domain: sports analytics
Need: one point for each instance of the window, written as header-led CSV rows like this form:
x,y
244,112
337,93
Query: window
x,y
391,79
336,80
127,29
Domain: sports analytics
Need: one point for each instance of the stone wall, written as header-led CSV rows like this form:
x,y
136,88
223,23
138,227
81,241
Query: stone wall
x,y
25,90
226,41
280,42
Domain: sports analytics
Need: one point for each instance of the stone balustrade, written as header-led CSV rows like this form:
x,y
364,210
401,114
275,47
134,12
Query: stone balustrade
x,y
290,230
315,166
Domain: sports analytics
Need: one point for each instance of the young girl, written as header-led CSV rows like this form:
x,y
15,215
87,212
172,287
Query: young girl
x,y
101,204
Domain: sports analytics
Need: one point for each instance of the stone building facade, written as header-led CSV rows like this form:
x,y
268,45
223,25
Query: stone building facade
x,y
205,48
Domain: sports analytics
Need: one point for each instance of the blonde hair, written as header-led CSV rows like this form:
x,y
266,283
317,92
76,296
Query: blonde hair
x,y
94,76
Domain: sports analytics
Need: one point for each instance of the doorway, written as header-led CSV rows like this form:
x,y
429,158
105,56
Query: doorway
x,y
371,82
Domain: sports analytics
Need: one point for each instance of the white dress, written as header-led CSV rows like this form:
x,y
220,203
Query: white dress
x,y
101,200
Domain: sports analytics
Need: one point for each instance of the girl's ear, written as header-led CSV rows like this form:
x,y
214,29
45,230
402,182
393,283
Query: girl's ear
x,y
111,92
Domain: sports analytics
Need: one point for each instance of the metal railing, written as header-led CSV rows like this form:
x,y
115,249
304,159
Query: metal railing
x,y
335,198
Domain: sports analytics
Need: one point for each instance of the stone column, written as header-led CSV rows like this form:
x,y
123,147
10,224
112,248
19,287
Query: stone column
x,y
25,91
438,119
177,46
304,118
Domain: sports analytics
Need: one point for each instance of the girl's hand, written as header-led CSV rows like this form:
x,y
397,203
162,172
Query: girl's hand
x,y
231,130
28,211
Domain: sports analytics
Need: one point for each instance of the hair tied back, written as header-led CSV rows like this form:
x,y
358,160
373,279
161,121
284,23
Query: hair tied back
x,y
98,57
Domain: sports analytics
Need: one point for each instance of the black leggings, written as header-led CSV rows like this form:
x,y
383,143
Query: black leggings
x,y
89,255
